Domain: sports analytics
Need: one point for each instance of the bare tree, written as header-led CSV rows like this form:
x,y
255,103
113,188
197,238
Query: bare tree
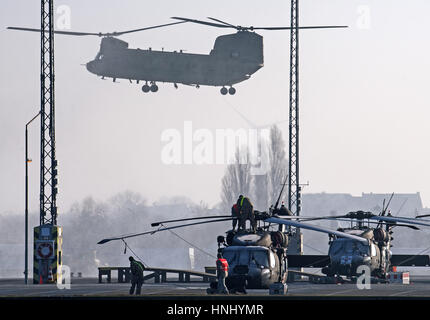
x,y
278,163
261,182
237,178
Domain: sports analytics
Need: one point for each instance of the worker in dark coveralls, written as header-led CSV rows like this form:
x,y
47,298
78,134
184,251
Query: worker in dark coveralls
x,y
246,211
235,214
283,211
222,273
136,268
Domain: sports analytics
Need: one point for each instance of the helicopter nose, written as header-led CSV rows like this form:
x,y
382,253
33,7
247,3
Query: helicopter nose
x,y
91,67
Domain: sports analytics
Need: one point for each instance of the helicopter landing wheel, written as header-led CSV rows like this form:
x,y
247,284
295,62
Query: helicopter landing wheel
x,y
154,88
223,91
232,91
145,88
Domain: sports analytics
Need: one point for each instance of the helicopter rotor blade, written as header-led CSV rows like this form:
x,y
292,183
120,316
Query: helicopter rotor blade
x,y
423,216
223,22
289,28
378,223
399,219
156,224
124,237
158,230
70,33
99,34
360,215
315,228
147,28
205,23
320,218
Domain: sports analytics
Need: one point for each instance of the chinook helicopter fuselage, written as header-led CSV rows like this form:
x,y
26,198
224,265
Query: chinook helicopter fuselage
x,y
233,59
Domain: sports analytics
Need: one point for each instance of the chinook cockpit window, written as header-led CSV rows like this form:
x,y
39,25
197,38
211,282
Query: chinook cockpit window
x,y
99,56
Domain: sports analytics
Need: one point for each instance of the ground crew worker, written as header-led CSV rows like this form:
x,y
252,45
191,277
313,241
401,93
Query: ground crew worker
x,y
246,211
136,268
222,273
235,214
283,211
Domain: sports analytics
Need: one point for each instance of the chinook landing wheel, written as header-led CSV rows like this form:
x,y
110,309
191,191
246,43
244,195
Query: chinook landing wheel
x,y
145,88
223,91
154,88
232,91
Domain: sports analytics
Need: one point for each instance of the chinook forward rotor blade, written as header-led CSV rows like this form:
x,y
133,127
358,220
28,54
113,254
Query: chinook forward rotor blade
x,y
158,230
315,228
99,34
156,224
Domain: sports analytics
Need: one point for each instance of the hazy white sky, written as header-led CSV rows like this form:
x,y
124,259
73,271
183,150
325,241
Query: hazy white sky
x,y
364,98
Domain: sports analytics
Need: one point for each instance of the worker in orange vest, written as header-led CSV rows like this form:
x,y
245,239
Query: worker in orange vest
x,y
222,273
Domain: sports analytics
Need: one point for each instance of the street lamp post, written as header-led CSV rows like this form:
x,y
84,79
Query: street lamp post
x,y
26,197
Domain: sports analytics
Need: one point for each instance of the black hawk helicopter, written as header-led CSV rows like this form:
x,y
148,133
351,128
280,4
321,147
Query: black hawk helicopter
x,y
346,255
261,256
233,59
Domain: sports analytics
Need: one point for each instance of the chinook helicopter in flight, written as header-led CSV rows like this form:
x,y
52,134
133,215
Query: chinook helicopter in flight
x,y
233,59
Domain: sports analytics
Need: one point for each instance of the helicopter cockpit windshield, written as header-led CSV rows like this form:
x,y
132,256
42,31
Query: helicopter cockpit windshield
x,y
257,257
99,56
348,246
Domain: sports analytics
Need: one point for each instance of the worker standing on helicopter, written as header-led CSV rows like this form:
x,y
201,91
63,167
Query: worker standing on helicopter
x,y
235,214
246,211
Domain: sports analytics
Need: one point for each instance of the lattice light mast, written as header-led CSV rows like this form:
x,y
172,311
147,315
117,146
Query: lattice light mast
x,y
47,258
48,163
293,173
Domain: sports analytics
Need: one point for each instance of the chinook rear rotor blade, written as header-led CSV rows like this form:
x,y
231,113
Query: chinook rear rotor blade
x,y
315,228
223,24
99,34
